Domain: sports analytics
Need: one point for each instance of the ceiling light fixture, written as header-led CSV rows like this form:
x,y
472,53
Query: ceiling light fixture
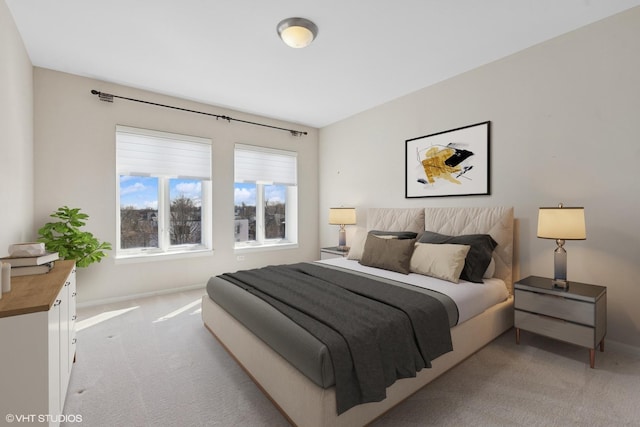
x,y
297,32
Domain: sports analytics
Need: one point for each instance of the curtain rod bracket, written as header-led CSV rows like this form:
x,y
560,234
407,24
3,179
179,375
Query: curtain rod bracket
x,y
106,97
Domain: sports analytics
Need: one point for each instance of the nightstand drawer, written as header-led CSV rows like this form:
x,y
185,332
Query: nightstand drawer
x,y
325,255
554,328
556,306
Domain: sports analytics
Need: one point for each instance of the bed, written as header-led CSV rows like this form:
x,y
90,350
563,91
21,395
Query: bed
x,y
300,383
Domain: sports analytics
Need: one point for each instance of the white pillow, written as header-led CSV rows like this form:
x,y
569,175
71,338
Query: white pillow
x,y
357,244
443,261
491,270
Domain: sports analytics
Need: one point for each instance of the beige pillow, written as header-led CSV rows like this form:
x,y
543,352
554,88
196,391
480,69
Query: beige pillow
x,y
389,254
444,261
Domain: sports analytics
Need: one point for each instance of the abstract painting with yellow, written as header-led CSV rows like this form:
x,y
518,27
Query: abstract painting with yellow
x,y
448,163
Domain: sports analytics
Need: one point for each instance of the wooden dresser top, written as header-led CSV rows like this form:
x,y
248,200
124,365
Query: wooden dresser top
x,y
30,294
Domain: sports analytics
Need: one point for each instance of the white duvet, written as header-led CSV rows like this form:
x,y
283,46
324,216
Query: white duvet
x,y
470,298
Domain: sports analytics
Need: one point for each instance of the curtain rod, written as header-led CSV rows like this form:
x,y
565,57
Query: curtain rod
x,y
108,97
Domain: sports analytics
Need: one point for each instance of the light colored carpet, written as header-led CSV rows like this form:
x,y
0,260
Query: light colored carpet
x,y
151,362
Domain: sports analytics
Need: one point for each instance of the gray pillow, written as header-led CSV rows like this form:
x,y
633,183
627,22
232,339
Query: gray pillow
x,y
388,254
479,256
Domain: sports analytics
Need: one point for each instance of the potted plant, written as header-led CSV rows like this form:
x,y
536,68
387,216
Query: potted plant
x,y
65,237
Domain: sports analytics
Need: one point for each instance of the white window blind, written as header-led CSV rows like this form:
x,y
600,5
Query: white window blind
x,y
264,165
152,153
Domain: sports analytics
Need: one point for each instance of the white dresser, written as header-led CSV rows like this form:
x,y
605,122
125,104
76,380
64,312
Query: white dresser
x,y
577,315
37,344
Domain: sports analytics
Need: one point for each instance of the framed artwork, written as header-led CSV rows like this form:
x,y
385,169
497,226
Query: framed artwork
x,y
450,163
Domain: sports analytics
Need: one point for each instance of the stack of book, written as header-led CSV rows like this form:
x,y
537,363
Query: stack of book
x,y
26,265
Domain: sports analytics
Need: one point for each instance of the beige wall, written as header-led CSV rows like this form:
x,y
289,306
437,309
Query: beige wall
x,y
75,166
16,136
565,127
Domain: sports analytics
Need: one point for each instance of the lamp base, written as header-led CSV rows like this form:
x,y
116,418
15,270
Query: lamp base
x,y
561,284
560,267
342,238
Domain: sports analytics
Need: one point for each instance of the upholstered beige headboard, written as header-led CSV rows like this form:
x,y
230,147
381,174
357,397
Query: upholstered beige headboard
x,y
496,221
396,219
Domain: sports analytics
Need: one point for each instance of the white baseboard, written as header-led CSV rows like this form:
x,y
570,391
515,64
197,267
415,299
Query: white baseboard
x,y
141,295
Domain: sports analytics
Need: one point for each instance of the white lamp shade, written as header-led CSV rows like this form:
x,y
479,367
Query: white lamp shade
x,y
342,216
561,223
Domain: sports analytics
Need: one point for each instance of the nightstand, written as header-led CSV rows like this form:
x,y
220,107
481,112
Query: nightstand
x,y
332,252
577,315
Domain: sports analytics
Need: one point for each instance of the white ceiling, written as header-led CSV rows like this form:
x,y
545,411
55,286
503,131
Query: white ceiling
x,y
227,53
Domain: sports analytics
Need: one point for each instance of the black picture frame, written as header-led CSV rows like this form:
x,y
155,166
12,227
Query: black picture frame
x,y
454,162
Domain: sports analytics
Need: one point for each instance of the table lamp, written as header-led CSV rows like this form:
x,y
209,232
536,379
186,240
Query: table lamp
x,y
342,217
561,223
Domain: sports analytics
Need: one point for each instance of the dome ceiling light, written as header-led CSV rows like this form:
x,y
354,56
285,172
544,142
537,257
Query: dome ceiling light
x,y
297,32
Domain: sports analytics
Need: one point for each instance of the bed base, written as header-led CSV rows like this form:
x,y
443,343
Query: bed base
x,y
304,403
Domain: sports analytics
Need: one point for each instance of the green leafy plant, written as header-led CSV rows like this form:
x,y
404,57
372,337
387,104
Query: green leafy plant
x,y
66,238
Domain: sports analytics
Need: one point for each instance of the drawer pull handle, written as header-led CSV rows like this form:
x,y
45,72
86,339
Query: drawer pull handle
x,y
555,319
57,303
73,341
74,317
540,294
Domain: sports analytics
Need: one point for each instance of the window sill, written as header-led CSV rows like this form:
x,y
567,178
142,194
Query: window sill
x,y
161,256
265,247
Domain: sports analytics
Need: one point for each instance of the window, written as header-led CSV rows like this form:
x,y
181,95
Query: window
x,y
265,197
164,188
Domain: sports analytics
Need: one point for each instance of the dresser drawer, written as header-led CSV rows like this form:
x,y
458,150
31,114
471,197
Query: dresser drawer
x,y
556,306
555,328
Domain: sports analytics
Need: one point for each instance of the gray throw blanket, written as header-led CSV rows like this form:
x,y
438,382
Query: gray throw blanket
x,y
376,333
